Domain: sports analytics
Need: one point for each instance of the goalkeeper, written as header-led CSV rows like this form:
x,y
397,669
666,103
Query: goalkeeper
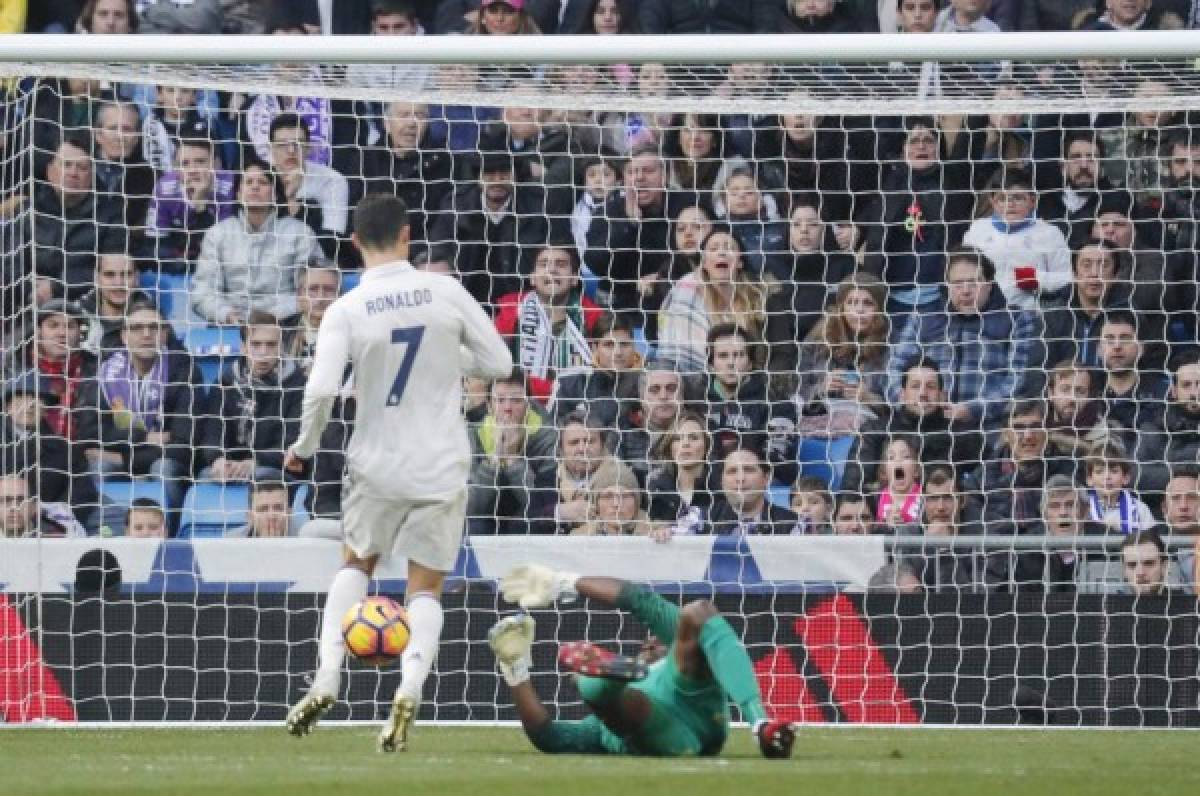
x,y
673,706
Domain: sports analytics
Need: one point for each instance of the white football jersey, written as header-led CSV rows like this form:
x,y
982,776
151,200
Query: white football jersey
x,y
411,336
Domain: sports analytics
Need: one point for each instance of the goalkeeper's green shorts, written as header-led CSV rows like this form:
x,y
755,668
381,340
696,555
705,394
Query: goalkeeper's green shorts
x,y
687,717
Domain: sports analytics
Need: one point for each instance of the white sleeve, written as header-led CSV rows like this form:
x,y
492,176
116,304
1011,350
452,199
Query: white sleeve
x,y
324,381
1057,274
485,353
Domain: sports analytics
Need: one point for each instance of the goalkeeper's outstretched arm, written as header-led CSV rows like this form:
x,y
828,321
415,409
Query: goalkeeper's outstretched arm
x,y
536,586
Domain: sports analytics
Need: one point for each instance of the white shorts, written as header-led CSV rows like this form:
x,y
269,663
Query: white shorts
x,y
428,531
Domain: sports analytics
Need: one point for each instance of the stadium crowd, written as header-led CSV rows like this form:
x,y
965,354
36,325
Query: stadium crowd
x,y
724,324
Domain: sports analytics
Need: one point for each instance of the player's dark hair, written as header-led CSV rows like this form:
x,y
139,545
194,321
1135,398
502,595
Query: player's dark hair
x,y
378,221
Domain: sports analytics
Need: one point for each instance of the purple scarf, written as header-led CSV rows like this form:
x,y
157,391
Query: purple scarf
x,y
136,402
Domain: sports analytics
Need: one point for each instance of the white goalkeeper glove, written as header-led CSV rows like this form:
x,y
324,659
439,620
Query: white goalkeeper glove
x,y
536,586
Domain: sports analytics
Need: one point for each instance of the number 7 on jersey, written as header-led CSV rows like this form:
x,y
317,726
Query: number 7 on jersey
x,y
410,338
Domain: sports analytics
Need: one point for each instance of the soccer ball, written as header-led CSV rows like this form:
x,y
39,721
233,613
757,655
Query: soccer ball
x,y
376,630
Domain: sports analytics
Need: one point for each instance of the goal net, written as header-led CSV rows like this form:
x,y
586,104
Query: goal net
x,y
888,347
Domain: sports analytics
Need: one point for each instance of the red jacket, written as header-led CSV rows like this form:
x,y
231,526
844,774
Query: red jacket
x,y
508,316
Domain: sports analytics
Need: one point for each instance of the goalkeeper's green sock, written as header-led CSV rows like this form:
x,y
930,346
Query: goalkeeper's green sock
x,y
731,668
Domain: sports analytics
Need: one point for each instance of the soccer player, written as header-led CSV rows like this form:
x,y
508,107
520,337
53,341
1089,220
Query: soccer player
x,y
411,336
675,705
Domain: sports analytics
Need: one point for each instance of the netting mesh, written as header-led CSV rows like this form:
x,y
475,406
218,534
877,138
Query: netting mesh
x,y
889,359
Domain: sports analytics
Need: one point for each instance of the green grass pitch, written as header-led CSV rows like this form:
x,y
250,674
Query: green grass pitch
x,y
498,761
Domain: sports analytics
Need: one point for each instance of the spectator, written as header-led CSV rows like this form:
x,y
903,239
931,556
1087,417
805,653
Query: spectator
x,y
548,326
604,18
999,141
754,218
1181,503
689,230
255,114
256,408
502,18
721,16
317,287
105,305
1127,15
1051,15
1031,256
1074,422
145,519
141,408
314,192
616,508
600,180
816,16
270,516
1073,207
844,359
740,412
28,445
629,240
1072,322
25,516
583,460
108,16
122,173
920,414
607,390
1145,150
436,258
250,261
719,291
1177,439
920,213
1110,501
1144,564
1064,514
663,394
407,165
187,202
1133,398
812,503
682,484
495,227
71,223
512,453
987,351
55,353
852,515
173,118
809,275
898,496
694,146
943,567
742,507
1005,491
1161,287
392,18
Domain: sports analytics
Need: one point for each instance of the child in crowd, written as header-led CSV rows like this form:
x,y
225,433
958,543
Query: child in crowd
x,y
1110,501
813,505
899,500
145,520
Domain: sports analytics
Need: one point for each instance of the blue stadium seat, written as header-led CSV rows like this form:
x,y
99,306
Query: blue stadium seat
x,y
780,495
299,512
643,346
591,282
350,280
211,346
825,458
211,508
124,491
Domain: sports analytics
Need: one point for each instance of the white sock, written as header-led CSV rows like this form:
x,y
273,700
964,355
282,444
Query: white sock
x,y
348,587
425,622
